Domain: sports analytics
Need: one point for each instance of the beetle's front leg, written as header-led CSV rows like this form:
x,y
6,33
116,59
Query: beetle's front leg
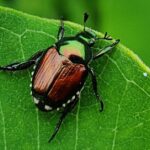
x,y
106,49
22,65
94,82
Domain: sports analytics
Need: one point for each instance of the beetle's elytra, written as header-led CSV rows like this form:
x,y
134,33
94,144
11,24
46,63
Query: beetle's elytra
x,y
60,71
54,74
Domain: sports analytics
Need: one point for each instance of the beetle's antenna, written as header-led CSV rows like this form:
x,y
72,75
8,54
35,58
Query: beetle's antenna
x,y
85,19
61,29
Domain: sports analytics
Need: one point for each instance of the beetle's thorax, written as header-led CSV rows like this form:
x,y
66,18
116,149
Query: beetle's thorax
x,y
75,49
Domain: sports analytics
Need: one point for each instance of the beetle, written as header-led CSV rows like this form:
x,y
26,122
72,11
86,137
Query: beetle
x,y
61,70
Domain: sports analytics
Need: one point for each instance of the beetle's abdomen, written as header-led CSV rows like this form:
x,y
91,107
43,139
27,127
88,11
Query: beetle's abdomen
x,y
57,78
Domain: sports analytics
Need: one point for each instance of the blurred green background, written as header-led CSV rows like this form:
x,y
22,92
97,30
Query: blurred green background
x,y
124,19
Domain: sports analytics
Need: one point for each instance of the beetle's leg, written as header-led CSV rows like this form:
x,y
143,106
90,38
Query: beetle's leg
x,y
105,50
22,65
66,110
94,83
61,30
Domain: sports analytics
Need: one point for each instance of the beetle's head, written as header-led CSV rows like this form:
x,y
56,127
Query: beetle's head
x,y
87,35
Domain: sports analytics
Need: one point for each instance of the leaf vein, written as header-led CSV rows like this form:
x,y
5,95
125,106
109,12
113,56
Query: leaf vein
x,y
7,30
117,119
38,141
4,131
41,32
28,30
131,81
77,128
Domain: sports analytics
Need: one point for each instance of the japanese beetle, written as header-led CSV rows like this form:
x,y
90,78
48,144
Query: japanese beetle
x,y
60,71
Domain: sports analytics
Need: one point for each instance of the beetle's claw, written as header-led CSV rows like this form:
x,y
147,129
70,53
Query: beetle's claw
x,y
107,37
116,42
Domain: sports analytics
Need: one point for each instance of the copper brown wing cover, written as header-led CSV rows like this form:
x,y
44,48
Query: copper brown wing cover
x,y
58,77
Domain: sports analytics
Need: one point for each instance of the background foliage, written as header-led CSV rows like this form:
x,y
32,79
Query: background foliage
x,y
127,20
126,92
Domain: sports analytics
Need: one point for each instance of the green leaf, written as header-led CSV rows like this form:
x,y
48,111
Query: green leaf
x,y
123,81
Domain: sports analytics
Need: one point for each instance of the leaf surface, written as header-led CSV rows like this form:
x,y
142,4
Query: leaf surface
x,y
123,82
